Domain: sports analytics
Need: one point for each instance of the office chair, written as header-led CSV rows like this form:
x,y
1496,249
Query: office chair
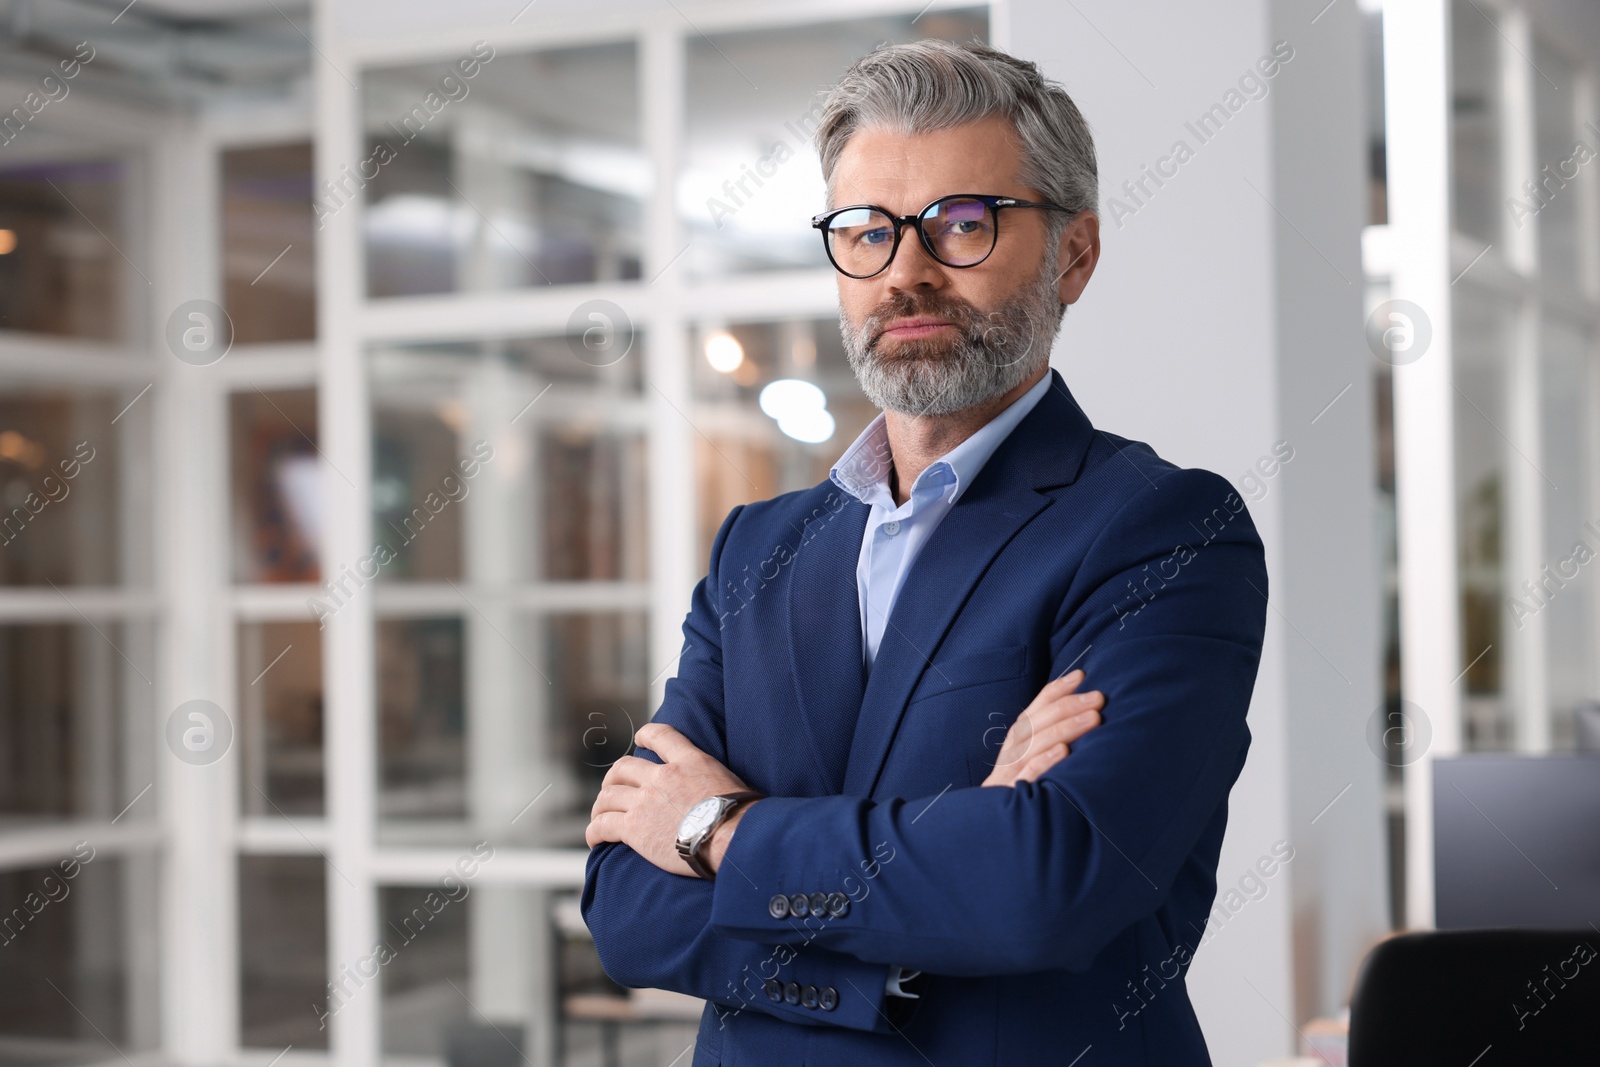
x,y
1479,998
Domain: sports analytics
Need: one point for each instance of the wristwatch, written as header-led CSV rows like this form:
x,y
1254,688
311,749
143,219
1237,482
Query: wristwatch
x,y
702,821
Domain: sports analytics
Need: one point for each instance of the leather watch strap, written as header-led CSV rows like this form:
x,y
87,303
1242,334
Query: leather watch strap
x,y
692,856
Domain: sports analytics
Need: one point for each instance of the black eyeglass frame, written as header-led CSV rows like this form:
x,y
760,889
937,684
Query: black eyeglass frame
x,y
994,203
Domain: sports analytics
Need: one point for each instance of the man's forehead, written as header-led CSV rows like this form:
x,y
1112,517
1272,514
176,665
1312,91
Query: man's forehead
x,y
880,163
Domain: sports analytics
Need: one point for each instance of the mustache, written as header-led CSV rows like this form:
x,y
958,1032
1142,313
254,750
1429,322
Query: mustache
x,y
961,314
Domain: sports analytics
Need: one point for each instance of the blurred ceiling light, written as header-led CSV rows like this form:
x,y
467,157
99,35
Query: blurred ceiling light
x,y
800,408
791,396
19,449
812,426
8,242
724,352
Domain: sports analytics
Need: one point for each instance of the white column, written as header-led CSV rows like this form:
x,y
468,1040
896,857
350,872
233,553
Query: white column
x,y
1416,41
199,1009
675,563
1525,689
349,684
509,706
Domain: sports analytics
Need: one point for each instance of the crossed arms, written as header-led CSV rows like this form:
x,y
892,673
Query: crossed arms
x,y
1042,873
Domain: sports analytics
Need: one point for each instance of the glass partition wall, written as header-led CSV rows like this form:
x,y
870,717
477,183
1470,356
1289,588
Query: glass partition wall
x,y
1493,248
79,830
1526,304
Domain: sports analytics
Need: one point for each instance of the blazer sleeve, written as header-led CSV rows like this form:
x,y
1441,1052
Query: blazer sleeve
x,y
652,928
1041,875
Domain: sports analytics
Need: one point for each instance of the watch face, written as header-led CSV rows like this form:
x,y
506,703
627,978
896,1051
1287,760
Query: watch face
x,y
699,817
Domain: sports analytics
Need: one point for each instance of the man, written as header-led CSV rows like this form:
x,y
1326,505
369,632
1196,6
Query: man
x,y
853,826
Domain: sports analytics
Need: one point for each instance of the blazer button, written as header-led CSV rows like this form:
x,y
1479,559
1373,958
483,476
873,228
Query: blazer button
x,y
808,996
791,992
799,905
778,907
819,904
774,989
827,998
838,905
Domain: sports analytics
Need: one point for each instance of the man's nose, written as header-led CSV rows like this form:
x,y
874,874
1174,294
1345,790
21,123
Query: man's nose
x,y
912,267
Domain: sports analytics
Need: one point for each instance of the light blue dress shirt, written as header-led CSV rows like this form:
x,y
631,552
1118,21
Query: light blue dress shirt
x,y
895,534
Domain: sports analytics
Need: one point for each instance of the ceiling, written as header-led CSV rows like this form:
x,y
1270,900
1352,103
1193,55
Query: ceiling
x,y
173,50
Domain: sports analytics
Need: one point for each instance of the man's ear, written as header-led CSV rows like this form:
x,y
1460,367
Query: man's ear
x,y
1076,254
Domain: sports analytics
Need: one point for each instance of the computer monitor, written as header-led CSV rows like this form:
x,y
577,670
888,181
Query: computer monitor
x,y
1516,841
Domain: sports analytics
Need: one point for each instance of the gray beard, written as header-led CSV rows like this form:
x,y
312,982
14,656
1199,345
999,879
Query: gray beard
x,y
992,355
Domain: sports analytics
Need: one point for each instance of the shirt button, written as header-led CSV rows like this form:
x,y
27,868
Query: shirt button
x,y
891,528
791,992
799,905
778,907
819,904
827,998
808,996
774,989
838,905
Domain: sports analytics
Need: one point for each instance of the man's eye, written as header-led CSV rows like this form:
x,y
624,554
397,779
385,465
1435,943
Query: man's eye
x,y
875,237
964,229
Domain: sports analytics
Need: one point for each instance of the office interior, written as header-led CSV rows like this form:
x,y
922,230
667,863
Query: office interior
x,y
374,375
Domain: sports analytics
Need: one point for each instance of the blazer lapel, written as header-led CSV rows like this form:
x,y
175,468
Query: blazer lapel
x,y
1046,450
825,651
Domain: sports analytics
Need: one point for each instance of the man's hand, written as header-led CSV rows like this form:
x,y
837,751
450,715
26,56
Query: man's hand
x,y
641,803
1043,734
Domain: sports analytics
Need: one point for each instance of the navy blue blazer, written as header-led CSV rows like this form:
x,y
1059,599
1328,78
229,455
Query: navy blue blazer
x,y
1054,921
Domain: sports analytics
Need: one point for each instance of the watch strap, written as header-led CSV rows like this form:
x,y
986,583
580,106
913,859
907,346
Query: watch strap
x,y
689,851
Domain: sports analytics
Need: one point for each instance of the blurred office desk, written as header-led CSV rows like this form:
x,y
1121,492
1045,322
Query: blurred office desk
x,y
611,1011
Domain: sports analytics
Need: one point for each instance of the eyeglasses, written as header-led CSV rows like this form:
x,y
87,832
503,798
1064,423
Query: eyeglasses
x,y
959,230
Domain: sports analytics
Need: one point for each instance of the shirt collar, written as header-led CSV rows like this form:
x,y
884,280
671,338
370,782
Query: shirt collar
x,y
863,469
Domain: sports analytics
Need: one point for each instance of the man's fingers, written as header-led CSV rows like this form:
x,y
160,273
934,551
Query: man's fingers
x,y
602,828
1067,730
1064,708
613,798
1042,762
664,741
629,770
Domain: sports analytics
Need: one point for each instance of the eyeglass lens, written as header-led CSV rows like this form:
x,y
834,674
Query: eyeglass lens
x,y
960,230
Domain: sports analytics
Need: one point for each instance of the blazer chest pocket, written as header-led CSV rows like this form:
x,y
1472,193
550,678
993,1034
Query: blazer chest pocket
x,y
972,668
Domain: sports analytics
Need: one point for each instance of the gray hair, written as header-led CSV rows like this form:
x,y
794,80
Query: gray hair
x,y
932,85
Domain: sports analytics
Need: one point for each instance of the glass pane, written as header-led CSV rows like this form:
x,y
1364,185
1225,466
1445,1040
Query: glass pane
x,y
743,453
1475,119
536,455
1565,591
501,170
60,488
501,724
1375,124
71,697
283,952
280,712
421,720
86,933
751,180
1556,193
277,491
599,693
61,271
487,974
426,983
1483,346
269,243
